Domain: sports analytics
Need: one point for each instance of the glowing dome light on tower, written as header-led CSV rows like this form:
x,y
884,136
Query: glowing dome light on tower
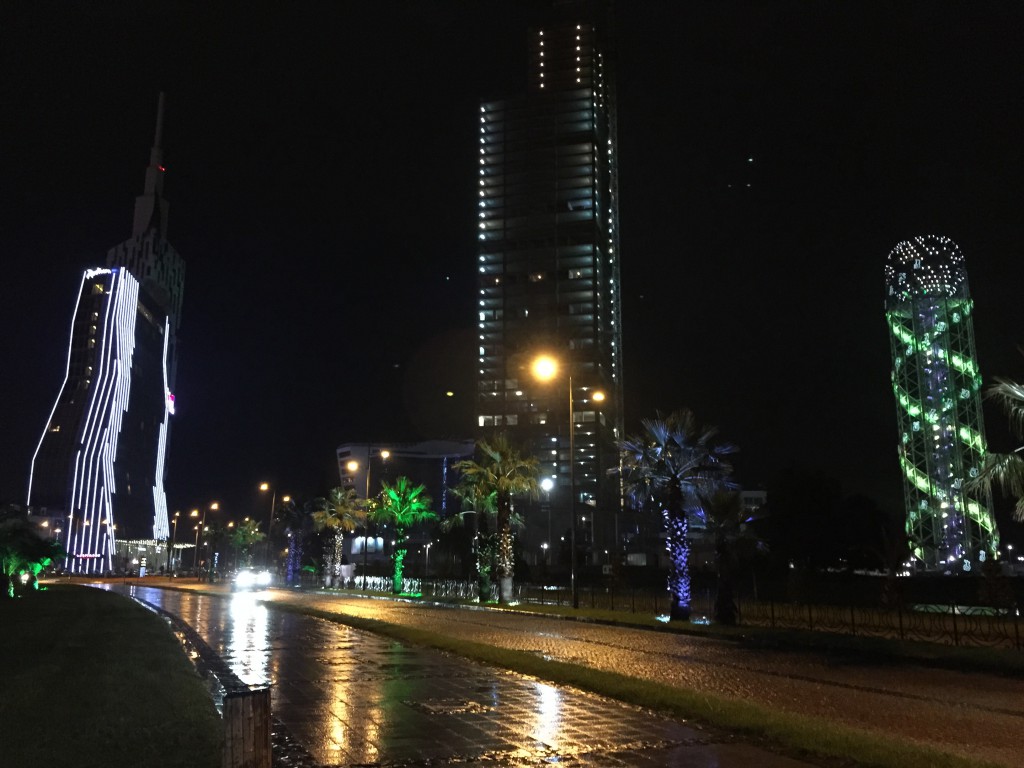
x,y
937,385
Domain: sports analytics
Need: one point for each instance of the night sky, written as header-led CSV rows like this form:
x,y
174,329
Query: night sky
x,y
320,170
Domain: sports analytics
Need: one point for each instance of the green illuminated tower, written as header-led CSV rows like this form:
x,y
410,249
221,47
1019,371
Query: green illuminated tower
x,y
936,383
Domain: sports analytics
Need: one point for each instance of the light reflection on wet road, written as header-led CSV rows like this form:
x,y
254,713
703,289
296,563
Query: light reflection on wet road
x,y
974,714
351,697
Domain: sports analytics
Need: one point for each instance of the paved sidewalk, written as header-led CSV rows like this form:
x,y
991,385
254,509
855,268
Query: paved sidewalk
x,y
976,715
355,698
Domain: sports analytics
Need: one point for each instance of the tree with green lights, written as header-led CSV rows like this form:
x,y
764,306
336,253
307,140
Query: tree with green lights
x,y
672,464
403,505
506,473
24,551
1007,469
340,512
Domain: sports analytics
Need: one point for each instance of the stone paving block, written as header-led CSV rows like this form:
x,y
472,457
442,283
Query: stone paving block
x,y
351,698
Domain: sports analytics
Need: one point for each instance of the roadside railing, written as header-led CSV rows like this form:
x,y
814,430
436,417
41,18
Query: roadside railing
x,y
952,624
948,624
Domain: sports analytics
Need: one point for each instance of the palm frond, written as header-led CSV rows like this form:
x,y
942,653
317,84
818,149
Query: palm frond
x,y
1010,395
1006,471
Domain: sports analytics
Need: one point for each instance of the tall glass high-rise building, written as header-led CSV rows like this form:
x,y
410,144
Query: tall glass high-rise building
x,y
548,280
101,459
937,386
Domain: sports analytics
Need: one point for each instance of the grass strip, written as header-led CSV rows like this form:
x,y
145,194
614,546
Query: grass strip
x,y
998,661
89,677
806,734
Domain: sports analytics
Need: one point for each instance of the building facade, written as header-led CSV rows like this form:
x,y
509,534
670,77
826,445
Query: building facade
x,y
548,276
101,461
937,386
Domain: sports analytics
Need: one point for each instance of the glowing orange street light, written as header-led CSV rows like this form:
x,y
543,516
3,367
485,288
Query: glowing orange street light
x,y
545,368
264,487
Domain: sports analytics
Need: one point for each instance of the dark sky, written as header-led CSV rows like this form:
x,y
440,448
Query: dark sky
x,y
320,165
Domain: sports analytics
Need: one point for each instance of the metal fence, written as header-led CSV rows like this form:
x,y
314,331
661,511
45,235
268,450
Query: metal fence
x,y
947,624
957,625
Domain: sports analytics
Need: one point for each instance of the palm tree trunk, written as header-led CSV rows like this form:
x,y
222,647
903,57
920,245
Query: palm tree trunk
x,y
504,550
678,529
398,573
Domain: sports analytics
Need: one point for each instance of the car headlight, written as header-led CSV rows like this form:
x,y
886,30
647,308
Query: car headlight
x,y
245,578
263,578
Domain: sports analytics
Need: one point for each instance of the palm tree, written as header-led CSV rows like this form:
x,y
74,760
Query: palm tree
x,y
1007,469
728,523
484,511
293,522
245,535
341,512
673,463
505,473
23,550
403,505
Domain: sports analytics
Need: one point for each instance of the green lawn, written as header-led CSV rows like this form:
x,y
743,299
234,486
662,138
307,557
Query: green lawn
x,y
89,678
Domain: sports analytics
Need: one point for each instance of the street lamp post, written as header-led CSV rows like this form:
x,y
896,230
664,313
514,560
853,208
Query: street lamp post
x,y
213,506
264,487
426,559
174,536
195,552
201,527
545,368
352,466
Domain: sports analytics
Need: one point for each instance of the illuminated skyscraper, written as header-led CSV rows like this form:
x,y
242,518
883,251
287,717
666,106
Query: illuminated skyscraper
x,y
548,279
937,386
101,458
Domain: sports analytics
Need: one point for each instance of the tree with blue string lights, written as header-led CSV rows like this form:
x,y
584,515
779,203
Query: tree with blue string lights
x,y
673,464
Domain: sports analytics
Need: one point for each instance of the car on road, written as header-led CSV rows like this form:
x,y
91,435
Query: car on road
x,y
250,579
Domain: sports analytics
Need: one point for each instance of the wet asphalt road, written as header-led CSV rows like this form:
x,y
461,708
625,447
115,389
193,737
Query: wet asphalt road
x,y
973,714
354,698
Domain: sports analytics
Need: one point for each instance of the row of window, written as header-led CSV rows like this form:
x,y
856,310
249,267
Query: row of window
x,y
491,149
529,180
512,419
508,277
524,114
545,252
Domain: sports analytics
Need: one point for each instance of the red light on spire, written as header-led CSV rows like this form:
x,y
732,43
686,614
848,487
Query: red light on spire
x,y
161,168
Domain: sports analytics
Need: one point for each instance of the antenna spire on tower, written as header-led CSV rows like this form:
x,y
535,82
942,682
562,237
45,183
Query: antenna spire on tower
x,y
150,206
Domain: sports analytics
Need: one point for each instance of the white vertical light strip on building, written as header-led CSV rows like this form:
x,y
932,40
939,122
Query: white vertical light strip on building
x,y
160,525
71,538
94,472
67,370
85,494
